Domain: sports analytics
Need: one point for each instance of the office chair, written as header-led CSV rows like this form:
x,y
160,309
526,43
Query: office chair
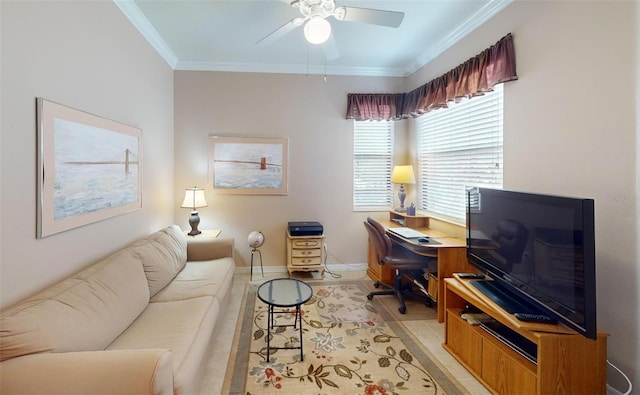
x,y
398,259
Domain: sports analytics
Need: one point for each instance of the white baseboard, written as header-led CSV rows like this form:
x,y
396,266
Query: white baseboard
x,y
267,269
351,267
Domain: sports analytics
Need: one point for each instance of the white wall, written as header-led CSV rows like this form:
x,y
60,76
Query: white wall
x,y
311,114
85,55
571,127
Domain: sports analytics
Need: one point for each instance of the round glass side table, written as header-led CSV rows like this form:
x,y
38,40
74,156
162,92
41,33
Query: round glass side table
x,y
284,293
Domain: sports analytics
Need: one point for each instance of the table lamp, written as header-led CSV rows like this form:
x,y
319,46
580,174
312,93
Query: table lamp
x,y
402,175
194,198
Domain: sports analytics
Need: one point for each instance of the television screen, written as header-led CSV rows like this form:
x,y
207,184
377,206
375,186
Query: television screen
x,y
539,247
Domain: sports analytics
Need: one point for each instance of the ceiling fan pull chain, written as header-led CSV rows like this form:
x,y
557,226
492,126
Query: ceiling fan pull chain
x,y
325,70
307,60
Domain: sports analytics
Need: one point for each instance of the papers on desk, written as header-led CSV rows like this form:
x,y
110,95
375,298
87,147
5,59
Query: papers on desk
x,y
407,233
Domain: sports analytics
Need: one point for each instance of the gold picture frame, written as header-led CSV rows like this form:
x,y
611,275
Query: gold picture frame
x,y
248,165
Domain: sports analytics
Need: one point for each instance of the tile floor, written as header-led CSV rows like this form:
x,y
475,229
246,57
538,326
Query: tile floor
x,y
429,331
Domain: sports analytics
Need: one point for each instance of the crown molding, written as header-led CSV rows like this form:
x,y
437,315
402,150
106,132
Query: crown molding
x,y
289,69
466,27
137,18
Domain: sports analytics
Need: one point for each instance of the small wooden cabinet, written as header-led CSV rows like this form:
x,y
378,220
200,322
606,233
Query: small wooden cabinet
x,y
566,362
305,253
410,221
376,271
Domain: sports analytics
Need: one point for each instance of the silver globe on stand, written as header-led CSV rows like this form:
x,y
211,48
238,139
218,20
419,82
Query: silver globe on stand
x,y
255,240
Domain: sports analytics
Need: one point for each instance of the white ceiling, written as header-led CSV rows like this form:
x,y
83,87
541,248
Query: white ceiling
x,y
221,35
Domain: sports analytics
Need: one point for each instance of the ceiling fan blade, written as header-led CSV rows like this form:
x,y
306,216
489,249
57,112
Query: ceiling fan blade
x,y
374,17
279,32
330,48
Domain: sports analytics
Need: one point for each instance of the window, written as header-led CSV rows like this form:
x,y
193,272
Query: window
x,y
458,147
372,165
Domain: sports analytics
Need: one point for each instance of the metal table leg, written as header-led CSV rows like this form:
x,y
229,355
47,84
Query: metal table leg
x,y
299,319
253,251
270,323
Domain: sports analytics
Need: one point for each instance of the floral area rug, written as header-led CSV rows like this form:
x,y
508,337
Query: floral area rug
x,y
351,346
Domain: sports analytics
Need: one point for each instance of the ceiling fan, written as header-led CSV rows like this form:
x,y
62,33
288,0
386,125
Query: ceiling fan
x,y
317,29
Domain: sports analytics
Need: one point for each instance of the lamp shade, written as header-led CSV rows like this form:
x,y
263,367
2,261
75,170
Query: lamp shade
x,y
403,175
194,198
317,30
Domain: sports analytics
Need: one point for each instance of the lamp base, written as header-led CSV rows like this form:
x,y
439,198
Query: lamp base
x,y
194,221
401,196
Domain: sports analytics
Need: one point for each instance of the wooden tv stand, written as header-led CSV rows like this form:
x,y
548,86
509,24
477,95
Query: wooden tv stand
x,y
567,362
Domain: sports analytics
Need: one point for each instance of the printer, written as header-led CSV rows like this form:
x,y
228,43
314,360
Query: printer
x,y
306,228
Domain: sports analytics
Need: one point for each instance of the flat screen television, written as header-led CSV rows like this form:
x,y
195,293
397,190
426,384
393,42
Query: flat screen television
x,y
539,249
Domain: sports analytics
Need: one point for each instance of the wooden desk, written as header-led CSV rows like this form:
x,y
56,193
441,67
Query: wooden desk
x,y
452,258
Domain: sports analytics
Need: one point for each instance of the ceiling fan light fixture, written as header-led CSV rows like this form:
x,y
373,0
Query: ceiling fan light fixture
x,y
317,30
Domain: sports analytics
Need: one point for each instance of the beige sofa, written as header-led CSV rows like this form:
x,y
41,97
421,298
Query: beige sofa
x,y
138,322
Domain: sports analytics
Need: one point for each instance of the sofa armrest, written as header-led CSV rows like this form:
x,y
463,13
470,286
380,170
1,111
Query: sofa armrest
x,y
145,371
206,248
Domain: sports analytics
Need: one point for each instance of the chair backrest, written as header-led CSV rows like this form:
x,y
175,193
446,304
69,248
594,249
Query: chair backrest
x,y
380,241
379,245
388,245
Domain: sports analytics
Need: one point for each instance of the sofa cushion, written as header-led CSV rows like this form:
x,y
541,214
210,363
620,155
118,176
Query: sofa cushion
x,y
200,278
84,312
186,328
163,254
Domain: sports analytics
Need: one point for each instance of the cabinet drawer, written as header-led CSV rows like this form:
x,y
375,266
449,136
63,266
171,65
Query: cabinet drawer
x,y
311,243
306,253
504,373
464,341
314,260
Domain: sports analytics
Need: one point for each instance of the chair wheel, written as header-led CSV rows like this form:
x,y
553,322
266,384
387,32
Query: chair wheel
x,y
370,297
376,284
402,309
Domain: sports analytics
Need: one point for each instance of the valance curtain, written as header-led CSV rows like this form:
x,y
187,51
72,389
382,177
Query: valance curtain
x,y
479,74
375,107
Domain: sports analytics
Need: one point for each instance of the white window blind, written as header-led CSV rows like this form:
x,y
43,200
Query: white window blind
x,y
459,147
372,165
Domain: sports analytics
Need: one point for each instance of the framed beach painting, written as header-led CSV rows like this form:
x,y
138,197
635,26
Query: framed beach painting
x,y
248,166
89,168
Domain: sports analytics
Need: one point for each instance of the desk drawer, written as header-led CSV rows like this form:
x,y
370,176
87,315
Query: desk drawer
x,y
305,253
306,243
314,260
